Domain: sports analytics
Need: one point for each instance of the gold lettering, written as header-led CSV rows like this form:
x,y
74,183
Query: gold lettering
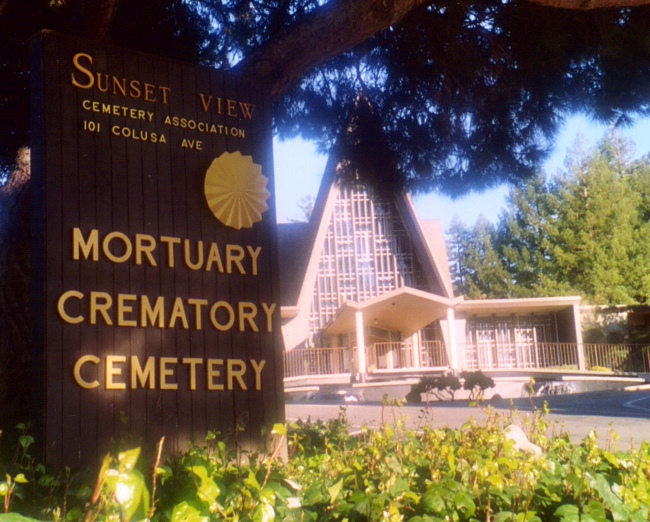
x,y
249,315
61,307
119,85
206,104
99,83
124,309
77,372
247,109
140,247
236,374
102,308
165,93
231,258
213,316
143,375
188,261
213,374
232,108
178,312
91,80
149,92
257,368
147,313
198,303
112,371
254,255
268,310
192,361
171,241
214,257
86,247
167,372
134,91
128,247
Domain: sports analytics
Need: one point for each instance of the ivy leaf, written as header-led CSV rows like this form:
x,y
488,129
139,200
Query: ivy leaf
x,y
465,504
15,517
26,441
128,459
432,502
183,512
251,481
568,513
263,513
400,486
130,493
594,512
279,429
208,490
600,484
335,490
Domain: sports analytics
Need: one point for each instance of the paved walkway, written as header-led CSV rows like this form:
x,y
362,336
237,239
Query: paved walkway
x,y
631,431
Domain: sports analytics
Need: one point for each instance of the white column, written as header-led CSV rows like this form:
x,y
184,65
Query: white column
x,y
577,325
452,349
361,345
416,350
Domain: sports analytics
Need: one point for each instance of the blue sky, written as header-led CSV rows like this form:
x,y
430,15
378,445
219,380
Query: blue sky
x,y
299,169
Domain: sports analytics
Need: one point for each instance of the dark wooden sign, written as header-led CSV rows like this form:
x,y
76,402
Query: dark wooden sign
x,y
155,264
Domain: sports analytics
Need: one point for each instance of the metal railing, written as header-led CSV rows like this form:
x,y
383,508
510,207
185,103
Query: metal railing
x,y
502,356
433,354
484,356
317,361
618,357
388,356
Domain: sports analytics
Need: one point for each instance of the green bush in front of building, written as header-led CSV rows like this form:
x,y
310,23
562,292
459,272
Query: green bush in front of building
x,y
474,473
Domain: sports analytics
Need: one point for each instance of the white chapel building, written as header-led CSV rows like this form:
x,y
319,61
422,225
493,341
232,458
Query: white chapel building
x,y
367,290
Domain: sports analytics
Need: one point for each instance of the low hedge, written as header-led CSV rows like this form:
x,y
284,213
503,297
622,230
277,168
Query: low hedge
x,y
391,473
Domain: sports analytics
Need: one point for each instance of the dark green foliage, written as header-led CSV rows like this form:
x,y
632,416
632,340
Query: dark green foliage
x,y
476,383
583,232
465,93
457,96
443,387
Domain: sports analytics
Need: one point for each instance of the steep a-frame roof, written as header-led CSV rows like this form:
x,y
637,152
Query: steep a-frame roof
x,y
300,247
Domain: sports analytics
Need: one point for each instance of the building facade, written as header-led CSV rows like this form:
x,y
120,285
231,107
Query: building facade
x,y
367,290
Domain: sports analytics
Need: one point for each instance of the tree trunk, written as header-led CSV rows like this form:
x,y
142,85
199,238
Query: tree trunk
x,y
91,19
15,319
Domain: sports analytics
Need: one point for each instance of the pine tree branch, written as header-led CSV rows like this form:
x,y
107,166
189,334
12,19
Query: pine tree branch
x,y
590,4
92,18
326,32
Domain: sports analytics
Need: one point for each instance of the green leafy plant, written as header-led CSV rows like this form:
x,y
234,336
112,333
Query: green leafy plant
x,y
392,473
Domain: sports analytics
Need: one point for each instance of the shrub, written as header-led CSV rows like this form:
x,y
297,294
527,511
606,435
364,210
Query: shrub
x,y
392,473
476,383
443,388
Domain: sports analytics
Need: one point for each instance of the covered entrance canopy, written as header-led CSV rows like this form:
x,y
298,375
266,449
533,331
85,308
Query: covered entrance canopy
x,y
404,310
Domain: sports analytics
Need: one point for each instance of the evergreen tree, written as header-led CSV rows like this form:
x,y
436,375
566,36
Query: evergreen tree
x,y
595,241
486,274
458,240
526,229
586,231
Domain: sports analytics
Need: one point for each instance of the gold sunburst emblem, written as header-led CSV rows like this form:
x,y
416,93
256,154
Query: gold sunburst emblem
x,y
235,190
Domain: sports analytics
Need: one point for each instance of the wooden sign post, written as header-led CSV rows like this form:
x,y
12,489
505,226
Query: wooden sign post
x,y
155,265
